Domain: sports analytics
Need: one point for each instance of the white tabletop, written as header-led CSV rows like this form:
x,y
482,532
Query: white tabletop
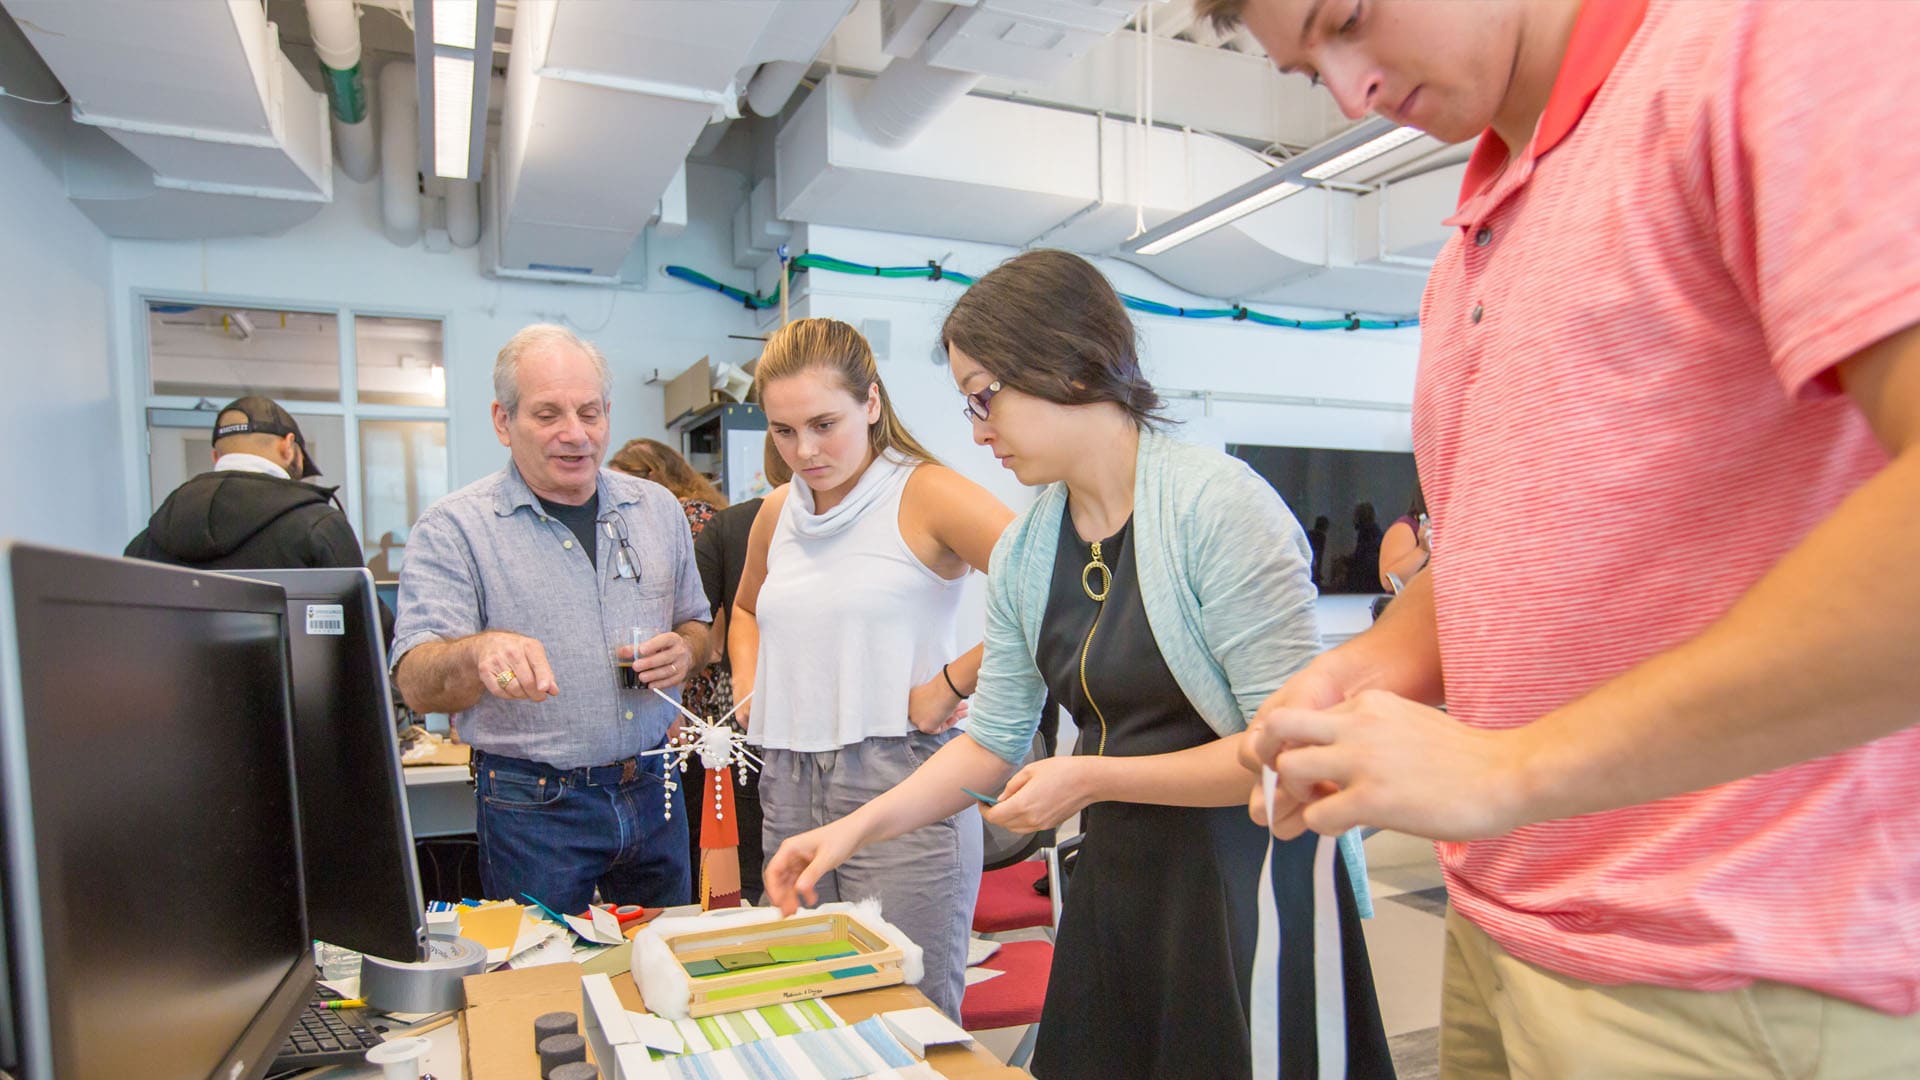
x,y
436,774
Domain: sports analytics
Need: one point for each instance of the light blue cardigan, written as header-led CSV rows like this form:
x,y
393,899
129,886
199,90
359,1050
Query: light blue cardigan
x,y
1223,568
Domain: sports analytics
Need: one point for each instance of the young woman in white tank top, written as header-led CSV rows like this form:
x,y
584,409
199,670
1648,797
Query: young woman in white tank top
x,y
846,619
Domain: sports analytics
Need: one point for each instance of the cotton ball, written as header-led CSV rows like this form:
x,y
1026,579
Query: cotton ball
x,y
716,746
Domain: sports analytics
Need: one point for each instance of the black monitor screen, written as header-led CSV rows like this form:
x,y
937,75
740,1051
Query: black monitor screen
x,y
363,888
163,824
1358,493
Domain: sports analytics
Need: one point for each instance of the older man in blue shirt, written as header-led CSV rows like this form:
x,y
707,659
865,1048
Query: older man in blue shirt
x,y
513,590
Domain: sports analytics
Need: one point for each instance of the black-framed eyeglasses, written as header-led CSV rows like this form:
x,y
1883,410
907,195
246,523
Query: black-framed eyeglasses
x,y
976,406
626,562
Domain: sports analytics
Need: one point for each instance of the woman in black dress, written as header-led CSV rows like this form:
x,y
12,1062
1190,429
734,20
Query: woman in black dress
x,y
1159,592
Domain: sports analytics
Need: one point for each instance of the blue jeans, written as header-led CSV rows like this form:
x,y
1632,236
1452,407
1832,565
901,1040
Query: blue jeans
x,y
554,834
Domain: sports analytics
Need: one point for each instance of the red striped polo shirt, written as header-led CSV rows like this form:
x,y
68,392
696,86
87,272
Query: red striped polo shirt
x,y
1625,415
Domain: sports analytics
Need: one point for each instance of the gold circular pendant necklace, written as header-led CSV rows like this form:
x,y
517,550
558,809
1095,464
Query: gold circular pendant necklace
x,y
1106,576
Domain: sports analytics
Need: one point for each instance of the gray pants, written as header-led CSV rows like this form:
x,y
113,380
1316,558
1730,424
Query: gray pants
x,y
926,880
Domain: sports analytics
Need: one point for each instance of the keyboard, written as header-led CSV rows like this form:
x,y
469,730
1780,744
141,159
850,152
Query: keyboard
x,y
324,1036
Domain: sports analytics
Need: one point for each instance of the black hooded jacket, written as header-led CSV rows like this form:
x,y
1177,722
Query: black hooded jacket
x,y
248,521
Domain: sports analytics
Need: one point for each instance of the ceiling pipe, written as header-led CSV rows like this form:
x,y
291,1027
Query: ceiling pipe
x,y
463,212
399,153
907,96
774,84
336,37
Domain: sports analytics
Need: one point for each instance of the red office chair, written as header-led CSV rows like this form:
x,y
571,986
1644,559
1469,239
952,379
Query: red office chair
x,y
1007,899
1012,999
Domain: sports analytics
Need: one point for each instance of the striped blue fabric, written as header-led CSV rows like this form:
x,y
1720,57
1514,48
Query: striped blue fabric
x,y
823,1048
877,1036
840,1053
763,1062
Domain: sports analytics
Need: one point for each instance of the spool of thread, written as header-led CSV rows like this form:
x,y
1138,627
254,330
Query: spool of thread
x,y
579,1070
559,1051
554,1023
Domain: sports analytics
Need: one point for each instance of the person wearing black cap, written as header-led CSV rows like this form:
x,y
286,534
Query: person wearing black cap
x,y
253,511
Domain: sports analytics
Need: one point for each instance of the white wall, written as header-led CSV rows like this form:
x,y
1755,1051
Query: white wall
x,y
61,459
1363,366
341,258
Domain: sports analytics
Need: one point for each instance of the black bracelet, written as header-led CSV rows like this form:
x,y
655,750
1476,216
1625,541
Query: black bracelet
x,y
956,690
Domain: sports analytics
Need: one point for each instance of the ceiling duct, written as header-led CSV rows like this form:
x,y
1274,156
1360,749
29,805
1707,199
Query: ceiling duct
x,y
941,52
603,103
1214,89
908,96
1022,175
234,141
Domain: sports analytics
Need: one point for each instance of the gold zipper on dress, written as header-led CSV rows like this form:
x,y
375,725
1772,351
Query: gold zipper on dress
x,y
1100,598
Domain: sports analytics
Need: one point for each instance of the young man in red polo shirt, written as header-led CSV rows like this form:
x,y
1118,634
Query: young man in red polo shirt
x,y
1678,791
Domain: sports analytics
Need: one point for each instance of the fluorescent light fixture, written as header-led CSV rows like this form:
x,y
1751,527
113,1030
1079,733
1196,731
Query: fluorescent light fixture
x,y
1365,152
453,23
452,107
1260,200
453,56
1305,169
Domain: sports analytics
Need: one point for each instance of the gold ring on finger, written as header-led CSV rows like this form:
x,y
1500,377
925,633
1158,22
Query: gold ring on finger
x,y
503,678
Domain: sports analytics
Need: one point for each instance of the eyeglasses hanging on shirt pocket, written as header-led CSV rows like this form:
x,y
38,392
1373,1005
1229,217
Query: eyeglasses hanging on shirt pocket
x,y
626,563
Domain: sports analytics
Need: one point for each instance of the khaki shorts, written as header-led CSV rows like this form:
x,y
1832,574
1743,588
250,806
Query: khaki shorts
x,y
1501,1016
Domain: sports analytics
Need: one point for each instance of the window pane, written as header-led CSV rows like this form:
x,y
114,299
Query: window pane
x,y
222,353
399,361
178,453
403,466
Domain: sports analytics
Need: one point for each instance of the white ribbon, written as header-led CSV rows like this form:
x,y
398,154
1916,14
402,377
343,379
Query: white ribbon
x,y
1329,986
1266,960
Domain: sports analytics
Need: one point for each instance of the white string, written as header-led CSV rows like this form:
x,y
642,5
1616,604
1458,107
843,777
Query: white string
x,y
1146,124
1136,167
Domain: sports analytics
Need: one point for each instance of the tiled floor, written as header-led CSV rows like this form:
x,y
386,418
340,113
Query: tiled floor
x,y
1406,939
1405,943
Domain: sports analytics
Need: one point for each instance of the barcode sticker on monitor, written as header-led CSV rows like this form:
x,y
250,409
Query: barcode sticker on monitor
x,y
326,619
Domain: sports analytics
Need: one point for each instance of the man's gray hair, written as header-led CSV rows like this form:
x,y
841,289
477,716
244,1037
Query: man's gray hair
x,y
506,366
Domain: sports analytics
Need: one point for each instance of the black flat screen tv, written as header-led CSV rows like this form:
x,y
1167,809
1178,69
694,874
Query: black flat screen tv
x,y
1345,500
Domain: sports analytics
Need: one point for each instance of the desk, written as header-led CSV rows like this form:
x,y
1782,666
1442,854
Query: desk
x,y
439,801
969,1062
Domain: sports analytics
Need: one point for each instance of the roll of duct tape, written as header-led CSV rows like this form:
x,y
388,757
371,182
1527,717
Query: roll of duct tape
x,y
430,985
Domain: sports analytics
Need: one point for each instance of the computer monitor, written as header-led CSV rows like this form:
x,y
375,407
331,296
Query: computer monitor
x,y
154,920
363,887
388,593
